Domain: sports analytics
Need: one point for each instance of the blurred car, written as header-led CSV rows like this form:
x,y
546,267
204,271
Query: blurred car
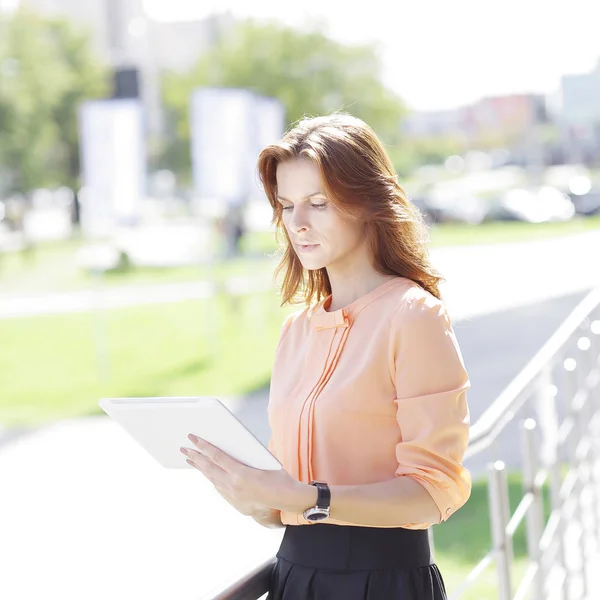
x,y
587,204
454,208
532,204
421,203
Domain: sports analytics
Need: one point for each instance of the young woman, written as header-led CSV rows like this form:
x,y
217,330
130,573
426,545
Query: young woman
x,y
367,407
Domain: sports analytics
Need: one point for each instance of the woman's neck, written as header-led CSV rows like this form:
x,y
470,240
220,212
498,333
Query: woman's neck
x,y
346,288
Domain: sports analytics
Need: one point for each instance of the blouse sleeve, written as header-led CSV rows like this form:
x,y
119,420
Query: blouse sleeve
x,y
431,384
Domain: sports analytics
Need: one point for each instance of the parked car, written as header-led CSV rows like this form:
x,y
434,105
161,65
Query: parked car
x,y
587,204
421,203
457,207
532,204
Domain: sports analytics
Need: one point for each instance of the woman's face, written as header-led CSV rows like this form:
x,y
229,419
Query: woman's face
x,y
321,235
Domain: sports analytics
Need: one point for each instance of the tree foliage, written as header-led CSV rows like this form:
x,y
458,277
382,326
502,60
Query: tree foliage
x,y
308,72
47,68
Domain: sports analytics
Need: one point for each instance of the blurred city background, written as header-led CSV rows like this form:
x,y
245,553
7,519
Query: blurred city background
x,y
137,255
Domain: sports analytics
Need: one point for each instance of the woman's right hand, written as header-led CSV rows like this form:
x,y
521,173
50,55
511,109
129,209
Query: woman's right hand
x,y
246,508
269,517
263,515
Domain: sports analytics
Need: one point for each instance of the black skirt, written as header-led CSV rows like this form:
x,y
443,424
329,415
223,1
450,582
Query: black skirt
x,y
335,562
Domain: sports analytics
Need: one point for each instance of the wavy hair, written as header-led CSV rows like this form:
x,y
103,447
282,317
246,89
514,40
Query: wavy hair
x,y
359,179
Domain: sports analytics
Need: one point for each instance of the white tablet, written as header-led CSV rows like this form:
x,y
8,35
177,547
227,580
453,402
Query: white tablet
x,y
162,425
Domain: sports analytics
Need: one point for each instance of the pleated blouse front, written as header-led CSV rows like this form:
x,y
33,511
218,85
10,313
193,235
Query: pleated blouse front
x,y
370,392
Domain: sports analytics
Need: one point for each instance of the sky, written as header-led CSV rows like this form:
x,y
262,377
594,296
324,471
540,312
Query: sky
x,y
440,54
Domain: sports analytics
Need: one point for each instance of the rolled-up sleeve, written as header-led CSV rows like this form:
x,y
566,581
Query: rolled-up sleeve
x,y
432,412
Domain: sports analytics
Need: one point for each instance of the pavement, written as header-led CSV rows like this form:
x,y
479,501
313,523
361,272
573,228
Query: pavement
x,y
85,513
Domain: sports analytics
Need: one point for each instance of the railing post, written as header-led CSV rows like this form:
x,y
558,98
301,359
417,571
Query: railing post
x,y
535,514
585,371
558,506
498,498
547,417
589,494
595,425
575,435
431,542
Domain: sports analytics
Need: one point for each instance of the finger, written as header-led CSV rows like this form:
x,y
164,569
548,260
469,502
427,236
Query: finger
x,y
203,464
217,456
203,471
199,457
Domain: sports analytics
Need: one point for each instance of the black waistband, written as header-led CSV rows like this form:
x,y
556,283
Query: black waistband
x,y
347,547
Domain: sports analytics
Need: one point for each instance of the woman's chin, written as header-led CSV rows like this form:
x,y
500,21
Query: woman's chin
x,y
311,265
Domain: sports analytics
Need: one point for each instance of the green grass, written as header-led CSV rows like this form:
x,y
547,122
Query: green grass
x,y
458,234
463,540
57,366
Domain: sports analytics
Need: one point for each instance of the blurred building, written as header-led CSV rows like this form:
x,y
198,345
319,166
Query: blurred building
x,y
580,115
503,115
510,122
123,37
437,123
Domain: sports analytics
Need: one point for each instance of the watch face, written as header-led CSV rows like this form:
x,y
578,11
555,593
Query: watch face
x,y
317,516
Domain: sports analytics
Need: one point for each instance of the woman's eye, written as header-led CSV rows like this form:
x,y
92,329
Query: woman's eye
x,y
319,205
287,207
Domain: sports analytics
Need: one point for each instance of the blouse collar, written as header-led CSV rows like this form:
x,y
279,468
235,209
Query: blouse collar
x,y
321,318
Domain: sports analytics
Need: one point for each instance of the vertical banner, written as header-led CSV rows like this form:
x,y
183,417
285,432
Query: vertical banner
x,y
269,127
229,127
113,164
220,123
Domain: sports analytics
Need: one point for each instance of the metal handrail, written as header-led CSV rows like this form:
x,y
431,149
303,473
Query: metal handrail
x,y
511,399
250,587
582,393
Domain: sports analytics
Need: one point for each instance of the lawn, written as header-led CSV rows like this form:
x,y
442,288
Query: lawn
x,y
463,540
57,366
456,234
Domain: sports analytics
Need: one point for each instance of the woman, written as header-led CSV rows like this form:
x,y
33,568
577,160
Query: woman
x,y
367,406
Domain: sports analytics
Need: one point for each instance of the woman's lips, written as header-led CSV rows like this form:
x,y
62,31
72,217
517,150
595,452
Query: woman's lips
x,y
306,247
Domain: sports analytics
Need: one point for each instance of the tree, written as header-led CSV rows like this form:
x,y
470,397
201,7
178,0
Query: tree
x,y
307,71
46,70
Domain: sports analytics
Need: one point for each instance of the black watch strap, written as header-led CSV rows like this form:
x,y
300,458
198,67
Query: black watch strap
x,y
323,494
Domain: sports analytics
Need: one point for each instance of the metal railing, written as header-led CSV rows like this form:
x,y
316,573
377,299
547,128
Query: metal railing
x,y
563,377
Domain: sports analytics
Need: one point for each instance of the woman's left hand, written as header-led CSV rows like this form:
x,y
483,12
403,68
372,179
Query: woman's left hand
x,y
246,488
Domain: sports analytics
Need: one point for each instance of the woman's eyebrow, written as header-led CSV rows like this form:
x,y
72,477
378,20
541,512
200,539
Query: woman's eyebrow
x,y
305,197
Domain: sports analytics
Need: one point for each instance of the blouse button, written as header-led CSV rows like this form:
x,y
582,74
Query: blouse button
x,y
449,511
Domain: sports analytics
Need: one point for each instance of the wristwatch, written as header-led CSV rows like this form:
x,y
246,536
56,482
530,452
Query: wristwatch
x,y
320,512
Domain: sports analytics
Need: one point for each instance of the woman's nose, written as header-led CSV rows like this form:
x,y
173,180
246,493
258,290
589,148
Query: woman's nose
x,y
299,221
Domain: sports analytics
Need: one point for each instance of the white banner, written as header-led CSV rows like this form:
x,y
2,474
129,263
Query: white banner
x,y
113,164
269,127
228,128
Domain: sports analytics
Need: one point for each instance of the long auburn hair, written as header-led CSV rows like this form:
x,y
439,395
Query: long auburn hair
x,y
359,179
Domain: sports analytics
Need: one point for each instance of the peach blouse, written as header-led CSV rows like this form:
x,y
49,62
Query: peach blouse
x,y
373,391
